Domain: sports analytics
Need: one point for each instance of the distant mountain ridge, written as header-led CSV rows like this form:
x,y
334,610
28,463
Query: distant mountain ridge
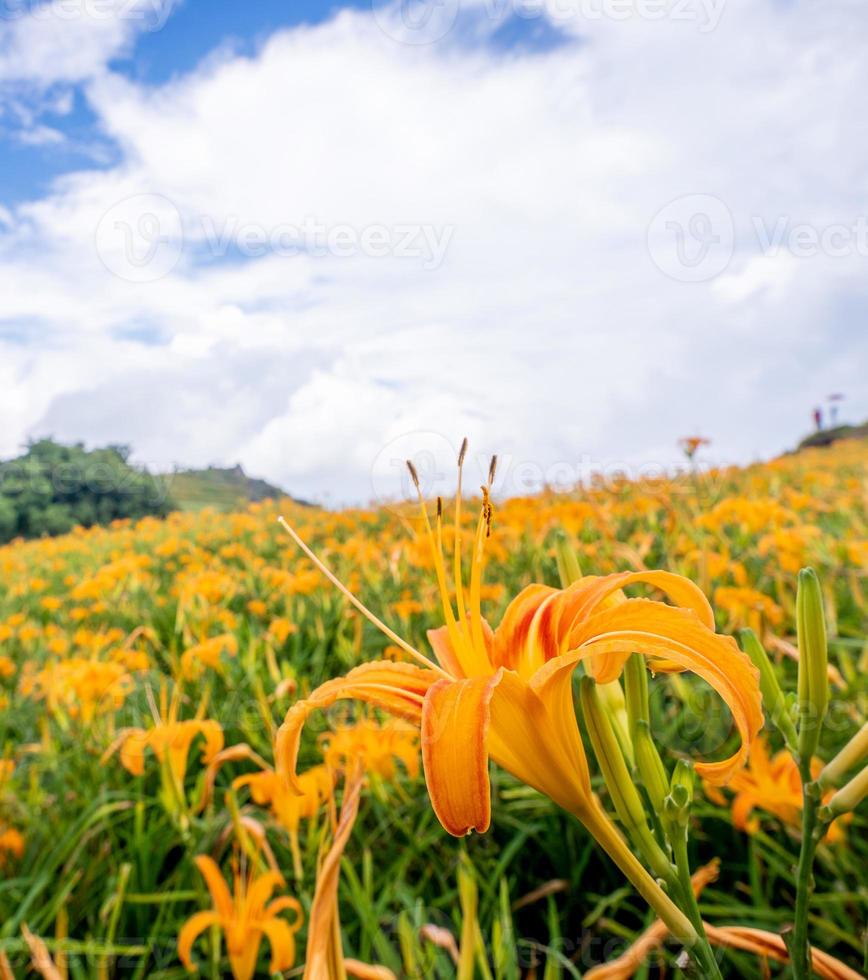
x,y
228,488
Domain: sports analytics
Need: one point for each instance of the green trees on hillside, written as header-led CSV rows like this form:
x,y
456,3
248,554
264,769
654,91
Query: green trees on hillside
x,y
52,488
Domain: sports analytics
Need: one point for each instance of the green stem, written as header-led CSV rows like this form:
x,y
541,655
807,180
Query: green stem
x,y
800,954
702,951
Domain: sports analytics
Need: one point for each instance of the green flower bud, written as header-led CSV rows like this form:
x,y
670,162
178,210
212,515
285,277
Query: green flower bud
x,y
676,806
650,766
848,797
813,663
569,569
625,796
773,696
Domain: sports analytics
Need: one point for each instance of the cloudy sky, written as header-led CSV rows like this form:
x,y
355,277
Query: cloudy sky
x,y
313,238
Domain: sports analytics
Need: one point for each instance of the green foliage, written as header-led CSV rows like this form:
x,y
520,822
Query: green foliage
x,y
53,488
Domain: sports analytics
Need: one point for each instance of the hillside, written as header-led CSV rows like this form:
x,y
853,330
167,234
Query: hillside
x,y
223,489
825,437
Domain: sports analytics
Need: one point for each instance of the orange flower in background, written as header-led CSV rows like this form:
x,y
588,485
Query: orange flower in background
x,y
289,806
170,740
690,445
377,746
11,845
207,654
772,784
244,916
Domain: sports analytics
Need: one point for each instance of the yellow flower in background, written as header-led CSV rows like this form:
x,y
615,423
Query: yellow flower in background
x,y
289,806
280,629
245,916
207,654
377,746
79,688
170,740
747,608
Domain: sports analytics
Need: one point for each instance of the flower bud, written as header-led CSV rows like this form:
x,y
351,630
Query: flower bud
x,y
848,797
813,663
854,752
625,796
676,807
773,696
569,569
650,766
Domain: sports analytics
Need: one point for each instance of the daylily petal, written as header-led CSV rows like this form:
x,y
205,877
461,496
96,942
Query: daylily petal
x,y
455,720
441,644
282,941
192,929
216,885
583,598
399,688
133,751
511,636
260,890
658,630
282,904
539,742
321,929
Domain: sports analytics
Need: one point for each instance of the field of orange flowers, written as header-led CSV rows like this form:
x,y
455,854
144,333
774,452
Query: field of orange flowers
x,y
185,784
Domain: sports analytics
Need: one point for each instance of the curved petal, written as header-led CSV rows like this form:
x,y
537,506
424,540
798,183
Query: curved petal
x,y
539,623
455,720
283,904
282,940
398,688
192,929
680,590
216,885
658,630
323,927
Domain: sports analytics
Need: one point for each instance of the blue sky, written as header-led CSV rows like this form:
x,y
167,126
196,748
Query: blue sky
x,y
311,237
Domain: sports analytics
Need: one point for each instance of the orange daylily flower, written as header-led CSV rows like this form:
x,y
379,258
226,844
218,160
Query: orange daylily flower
x,y
11,845
245,917
772,784
377,746
170,740
507,694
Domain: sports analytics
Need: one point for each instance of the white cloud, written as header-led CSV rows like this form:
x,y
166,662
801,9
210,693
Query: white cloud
x,y
548,332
